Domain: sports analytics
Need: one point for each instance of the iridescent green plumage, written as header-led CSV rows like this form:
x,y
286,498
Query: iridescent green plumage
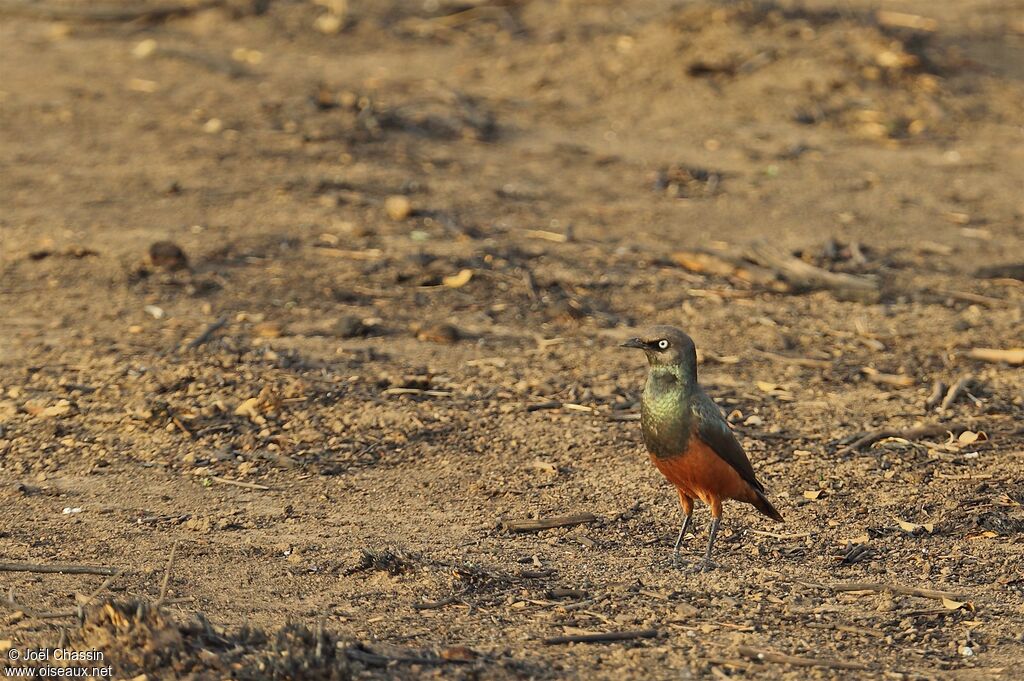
x,y
687,435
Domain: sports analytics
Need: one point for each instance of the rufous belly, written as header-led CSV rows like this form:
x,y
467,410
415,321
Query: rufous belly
x,y
699,473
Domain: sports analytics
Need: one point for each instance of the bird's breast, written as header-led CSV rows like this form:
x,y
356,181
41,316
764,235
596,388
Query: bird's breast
x,y
665,421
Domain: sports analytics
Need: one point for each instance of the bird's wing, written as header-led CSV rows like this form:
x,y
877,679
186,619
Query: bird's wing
x,y
713,430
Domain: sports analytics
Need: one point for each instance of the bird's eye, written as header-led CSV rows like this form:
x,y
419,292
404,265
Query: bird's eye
x,y
663,344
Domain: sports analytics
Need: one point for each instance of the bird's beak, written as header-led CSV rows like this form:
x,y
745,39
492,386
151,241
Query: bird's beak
x,y
634,343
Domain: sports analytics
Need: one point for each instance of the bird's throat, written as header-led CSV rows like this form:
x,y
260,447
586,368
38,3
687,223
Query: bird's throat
x,y
665,414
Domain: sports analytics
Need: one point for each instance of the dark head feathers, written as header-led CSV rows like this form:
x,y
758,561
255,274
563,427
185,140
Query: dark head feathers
x,y
666,346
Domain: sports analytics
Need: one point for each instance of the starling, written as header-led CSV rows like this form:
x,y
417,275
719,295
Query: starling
x,y
687,437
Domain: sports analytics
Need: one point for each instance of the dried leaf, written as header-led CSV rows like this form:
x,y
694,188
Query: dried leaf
x,y
950,604
813,494
914,528
969,437
458,280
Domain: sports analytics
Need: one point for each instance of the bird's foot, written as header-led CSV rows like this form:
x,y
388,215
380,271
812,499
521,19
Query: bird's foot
x,y
703,565
677,560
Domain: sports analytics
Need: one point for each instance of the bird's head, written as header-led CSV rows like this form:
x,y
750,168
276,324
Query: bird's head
x,y
666,346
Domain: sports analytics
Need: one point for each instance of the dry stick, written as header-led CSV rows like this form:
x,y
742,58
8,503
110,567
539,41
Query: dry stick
x,y
434,605
774,535
206,335
894,588
805,275
417,391
904,20
58,568
938,390
59,614
10,603
907,434
543,405
780,658
797,361
167,575
1011,356
896,380
967,297
181,426
729,263
608,637
957,389
239,483
550,523
106,583
102,14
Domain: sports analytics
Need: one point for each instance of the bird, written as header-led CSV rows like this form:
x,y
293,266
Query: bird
x,y
688,438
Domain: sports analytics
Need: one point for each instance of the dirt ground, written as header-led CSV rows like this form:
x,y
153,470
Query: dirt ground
x,y
416,233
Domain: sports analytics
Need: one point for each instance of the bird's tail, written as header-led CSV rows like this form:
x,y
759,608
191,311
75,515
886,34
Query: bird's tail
x,y
764,506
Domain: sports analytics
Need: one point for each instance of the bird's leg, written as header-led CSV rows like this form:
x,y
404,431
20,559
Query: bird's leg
x,y
679,539
716,519
687,504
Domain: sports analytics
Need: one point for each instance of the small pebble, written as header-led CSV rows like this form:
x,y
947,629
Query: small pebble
x,y
397,207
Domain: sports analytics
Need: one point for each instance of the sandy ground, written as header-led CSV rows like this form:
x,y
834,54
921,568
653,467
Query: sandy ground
x,y
417,242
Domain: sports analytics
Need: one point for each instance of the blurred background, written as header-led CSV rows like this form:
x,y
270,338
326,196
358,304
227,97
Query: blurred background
x,y
373,259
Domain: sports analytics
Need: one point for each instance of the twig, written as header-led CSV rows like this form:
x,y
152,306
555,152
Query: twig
x,y
59,614
531,283
798,361
106,583
181,426
894,588
206,335
417,391
774,535
11,604
546,235
608,637
907,434
239,483
956,390
896,380
434,605
58,568
904,20
167,575
102,14
805,276
1012,356
967,297
550,523
543,405
780,658
938,390
834,626
162,518
727,263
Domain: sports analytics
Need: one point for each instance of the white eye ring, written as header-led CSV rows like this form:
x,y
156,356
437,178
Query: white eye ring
x,y
663,344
